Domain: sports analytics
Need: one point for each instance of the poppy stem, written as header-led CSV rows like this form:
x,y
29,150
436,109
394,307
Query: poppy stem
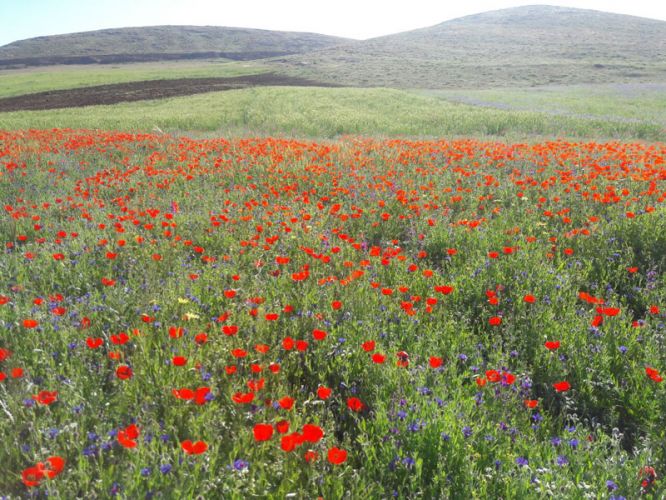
x,y
6,410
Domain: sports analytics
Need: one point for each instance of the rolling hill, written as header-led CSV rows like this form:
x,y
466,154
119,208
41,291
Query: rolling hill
x,y
158,43
532,45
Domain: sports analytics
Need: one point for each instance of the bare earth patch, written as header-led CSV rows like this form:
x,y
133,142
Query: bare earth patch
x,y
145,90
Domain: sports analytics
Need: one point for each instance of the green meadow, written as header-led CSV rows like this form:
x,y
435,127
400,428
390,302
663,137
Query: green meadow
x,y
326,112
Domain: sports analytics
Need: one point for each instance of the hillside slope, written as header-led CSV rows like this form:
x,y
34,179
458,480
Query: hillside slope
x,y
530,45
161,43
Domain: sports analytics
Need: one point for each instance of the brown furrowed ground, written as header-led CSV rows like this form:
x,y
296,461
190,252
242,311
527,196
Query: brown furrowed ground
x,y
145,90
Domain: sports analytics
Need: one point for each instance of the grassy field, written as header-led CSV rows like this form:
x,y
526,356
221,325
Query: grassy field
x,y
320,112
638,102
30,80
272,318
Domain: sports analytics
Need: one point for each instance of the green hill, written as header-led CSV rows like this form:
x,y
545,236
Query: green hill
x,y
161,43
533,45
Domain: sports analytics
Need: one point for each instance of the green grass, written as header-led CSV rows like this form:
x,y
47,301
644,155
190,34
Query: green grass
x,y
636,102
321,112
27,81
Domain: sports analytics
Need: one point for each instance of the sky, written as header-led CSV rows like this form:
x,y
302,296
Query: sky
x,y
360,19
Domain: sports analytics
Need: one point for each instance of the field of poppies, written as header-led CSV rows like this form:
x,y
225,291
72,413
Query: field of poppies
x,y
279,318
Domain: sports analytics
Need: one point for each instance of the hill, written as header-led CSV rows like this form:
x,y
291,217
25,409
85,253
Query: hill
x,y
157,43
532,45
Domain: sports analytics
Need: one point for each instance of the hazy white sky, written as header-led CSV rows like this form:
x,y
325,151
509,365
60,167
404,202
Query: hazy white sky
x,y
21,19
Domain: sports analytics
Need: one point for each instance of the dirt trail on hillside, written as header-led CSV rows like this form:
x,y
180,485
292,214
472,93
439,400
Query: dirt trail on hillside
x,y
145,90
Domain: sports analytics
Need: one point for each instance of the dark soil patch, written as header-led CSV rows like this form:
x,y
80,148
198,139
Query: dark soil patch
x,y
141,91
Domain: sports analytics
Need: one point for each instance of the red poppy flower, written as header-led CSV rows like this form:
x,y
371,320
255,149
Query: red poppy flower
x,y
46,397
552,345
312,433
378,358
311,456
256,385
94,343
195,448
242,398
200,395
609,311
286,403
175,332
282,426
337,456
563,386
127,437
336,304
33,476
444,289
262,432
290,441
435,362
495,321
179,361
319,334
287,343
653,374
124,372
529,299
355,404
30,323
230,330
120,339
368,345
108,282
301,345
184,393
531,403
323,392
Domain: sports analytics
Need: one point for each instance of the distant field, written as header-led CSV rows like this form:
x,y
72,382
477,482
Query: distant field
x,y
26,81
644,102
320,112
